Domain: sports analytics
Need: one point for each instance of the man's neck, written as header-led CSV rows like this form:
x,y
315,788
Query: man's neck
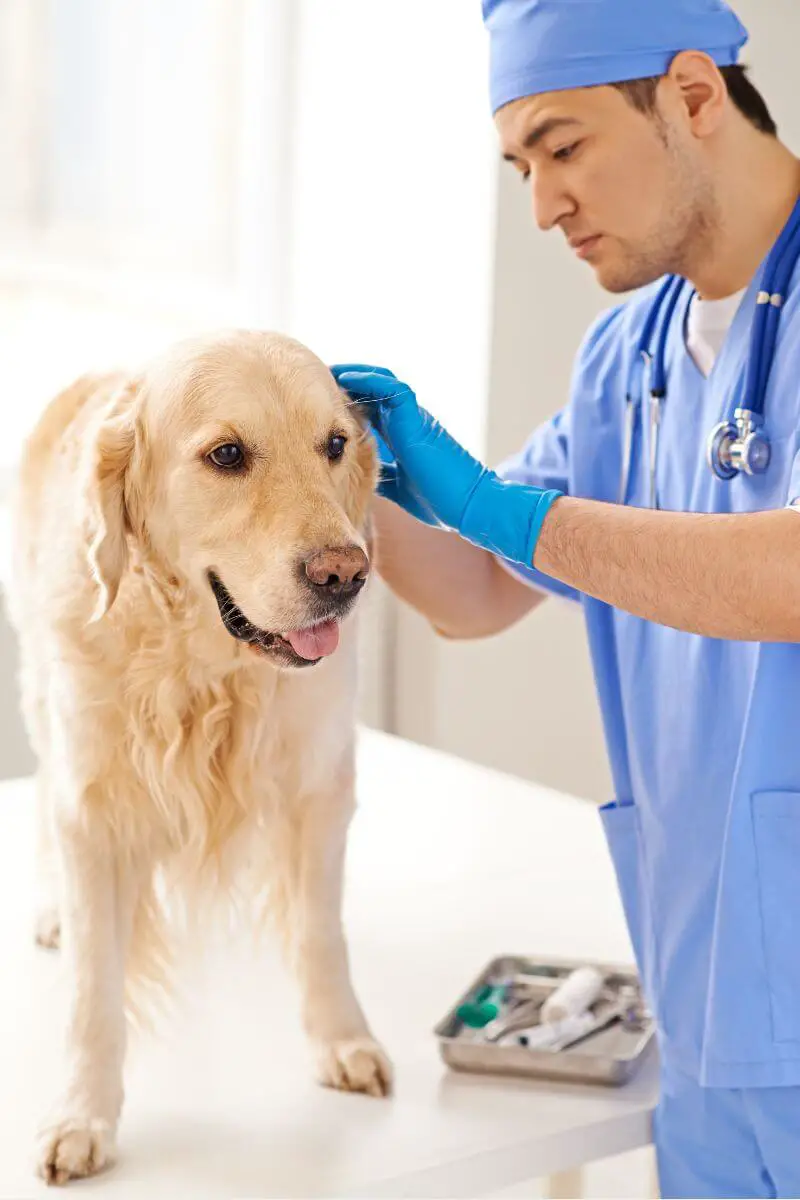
x,y
756,198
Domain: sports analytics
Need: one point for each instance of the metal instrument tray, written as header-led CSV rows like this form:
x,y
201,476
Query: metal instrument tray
x,y
610,1057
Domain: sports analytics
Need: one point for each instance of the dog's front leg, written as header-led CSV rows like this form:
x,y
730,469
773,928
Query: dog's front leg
x,y
48,921
348,1056
98,898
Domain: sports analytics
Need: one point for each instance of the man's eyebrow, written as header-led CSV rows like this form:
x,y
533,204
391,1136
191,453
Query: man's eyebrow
x,y
535,135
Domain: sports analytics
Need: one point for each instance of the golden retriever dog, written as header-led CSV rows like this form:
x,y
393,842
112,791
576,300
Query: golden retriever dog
x,y
190,546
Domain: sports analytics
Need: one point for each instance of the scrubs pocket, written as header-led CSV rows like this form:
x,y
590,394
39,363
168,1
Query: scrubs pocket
x,y
621,824
776,825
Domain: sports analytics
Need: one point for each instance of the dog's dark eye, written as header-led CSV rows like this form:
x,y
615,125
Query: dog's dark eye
x,y
335,447
229,456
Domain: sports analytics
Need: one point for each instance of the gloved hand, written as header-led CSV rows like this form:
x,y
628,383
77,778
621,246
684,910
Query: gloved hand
x,y
394,484
437,478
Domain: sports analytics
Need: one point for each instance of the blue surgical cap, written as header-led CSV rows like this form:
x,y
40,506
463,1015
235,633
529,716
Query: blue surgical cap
x,y
548,45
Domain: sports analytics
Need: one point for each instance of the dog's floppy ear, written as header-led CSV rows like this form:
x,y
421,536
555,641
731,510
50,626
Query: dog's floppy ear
x,y
364,472
109,453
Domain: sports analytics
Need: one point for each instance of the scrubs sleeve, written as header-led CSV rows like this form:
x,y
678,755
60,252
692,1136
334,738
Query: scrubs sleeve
x,y
545,459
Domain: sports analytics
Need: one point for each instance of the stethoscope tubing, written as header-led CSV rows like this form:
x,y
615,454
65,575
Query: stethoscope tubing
x,y
777,289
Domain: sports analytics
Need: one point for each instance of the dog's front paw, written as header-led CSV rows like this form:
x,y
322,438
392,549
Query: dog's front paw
x,y
73,1149
355,1065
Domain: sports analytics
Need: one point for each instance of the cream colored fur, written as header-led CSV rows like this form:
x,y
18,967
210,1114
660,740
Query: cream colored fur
x,y
168,749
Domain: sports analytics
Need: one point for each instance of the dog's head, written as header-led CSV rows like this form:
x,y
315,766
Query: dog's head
x,y
239,464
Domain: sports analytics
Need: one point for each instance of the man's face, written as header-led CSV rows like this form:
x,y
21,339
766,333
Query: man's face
x,y
630,191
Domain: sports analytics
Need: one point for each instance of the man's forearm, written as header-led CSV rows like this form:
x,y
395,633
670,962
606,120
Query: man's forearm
x,y
460,589
735,577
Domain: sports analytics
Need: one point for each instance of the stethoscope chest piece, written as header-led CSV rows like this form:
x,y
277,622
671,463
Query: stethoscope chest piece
x,y
739,445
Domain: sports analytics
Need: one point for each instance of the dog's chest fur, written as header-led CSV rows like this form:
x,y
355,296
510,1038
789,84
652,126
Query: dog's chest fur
x,y
217,740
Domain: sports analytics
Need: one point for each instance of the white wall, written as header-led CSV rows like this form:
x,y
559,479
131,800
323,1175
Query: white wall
x,y
525,701
392,231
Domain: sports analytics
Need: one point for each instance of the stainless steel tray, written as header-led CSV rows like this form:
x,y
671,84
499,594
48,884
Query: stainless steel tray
x,y
610,1057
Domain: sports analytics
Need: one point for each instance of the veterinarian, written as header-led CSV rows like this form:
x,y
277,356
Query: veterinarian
x,y
660,498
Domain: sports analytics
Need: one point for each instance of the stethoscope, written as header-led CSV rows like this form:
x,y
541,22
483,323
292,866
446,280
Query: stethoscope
x,y
740,444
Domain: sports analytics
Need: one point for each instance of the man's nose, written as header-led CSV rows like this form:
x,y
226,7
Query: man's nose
x,y
548,201
338,572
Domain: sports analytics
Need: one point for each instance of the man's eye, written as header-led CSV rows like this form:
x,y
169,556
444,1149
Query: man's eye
x,y
335,446
228,457
566,152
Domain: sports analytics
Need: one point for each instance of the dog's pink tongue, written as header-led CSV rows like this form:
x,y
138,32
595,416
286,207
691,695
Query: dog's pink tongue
x,y
315,643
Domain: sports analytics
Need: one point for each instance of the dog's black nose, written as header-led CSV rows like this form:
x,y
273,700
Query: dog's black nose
x,y
339,572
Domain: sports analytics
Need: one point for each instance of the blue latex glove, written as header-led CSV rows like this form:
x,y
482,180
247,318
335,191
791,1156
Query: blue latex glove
x,y
394,483
440,477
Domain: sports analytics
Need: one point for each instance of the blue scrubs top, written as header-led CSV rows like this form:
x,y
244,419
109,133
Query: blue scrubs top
x,y
703,735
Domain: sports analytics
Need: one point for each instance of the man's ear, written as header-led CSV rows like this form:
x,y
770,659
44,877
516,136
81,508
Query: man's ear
x,y
701,89
109,454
